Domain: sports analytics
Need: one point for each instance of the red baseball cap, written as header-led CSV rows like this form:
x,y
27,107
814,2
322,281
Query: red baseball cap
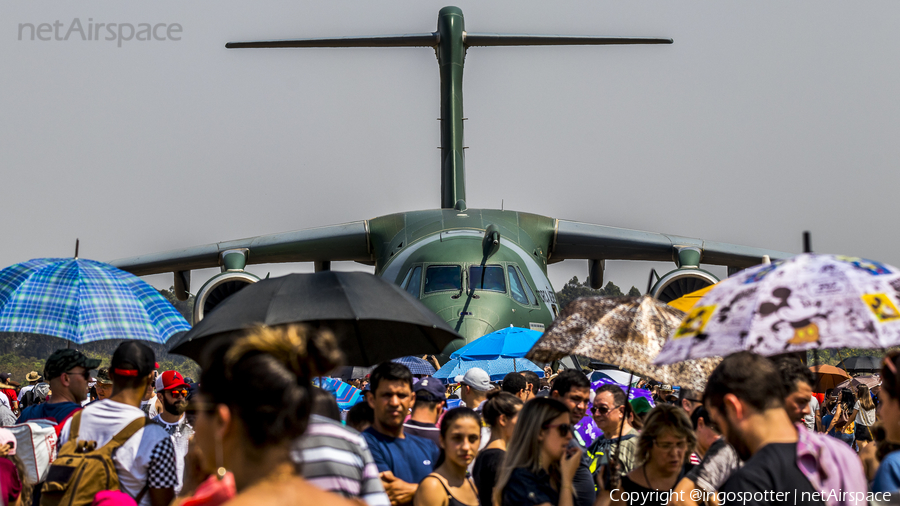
x,y
169,380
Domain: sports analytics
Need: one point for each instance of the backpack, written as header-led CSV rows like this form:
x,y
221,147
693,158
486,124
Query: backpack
x,y
35,446
81,469
843,419
36,395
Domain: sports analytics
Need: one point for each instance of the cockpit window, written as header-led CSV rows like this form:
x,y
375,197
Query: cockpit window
x,y
515,286
531,296
406,279
443,277
489,278
415,281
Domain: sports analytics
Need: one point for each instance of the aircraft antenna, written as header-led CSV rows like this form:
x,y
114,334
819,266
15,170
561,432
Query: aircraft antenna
x,y
450,42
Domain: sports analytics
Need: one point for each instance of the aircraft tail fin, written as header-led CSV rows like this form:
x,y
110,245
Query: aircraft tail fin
x,y
407,40
450,42
511,39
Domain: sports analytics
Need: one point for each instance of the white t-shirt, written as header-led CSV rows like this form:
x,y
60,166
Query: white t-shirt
x,y
864,416
5,401
148,457
23,390
810,419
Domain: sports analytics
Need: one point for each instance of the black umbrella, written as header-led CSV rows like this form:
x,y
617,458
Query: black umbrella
x,y
350,373
866,363
374,320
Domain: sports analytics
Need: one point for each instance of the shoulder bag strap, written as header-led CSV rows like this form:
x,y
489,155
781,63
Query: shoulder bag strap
x,y
128,431
76,424
436,477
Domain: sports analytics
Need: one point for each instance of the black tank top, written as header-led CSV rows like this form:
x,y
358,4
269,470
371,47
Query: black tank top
x,y
452,501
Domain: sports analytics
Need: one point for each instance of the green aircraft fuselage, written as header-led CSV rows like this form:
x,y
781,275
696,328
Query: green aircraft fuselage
x,y
448,259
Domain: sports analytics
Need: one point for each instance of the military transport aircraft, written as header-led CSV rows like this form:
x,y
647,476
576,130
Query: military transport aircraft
x,y
479,269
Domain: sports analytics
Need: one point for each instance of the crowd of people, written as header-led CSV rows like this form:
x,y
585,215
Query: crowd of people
x,y
255,430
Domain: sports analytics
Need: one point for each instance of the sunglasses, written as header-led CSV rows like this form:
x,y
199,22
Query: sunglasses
x,y
176,394
563,428
602,410
84,374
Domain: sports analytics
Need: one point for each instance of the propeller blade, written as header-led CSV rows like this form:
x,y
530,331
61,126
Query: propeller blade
x,y
408,40
509,39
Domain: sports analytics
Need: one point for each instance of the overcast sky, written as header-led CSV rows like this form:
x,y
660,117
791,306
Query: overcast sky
x,y
762,120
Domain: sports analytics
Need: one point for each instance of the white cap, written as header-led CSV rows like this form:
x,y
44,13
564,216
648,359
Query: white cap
x,y
476,378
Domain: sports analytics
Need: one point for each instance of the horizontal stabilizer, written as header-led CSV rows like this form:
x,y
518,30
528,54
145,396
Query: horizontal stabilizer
x,y
408,40
511,39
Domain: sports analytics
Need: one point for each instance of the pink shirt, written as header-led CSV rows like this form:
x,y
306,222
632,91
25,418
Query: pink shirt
x,y
832,468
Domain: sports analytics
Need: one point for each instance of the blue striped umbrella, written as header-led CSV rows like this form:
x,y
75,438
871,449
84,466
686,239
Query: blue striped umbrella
x,y
346,395
416,365
496,369
82,301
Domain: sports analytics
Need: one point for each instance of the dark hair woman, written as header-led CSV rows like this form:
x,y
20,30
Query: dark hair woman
x,y
501,411
887,479
538,468
448,484
841,424
254,400
865,416
664,448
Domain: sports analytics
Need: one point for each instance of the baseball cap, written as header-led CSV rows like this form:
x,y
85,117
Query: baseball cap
x,y
640,405
169,380
103,376
64,360
430,386
476,378
132,358
4,377
6,436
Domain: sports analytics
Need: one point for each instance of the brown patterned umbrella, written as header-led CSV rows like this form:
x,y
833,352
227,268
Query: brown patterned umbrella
x,y
625,331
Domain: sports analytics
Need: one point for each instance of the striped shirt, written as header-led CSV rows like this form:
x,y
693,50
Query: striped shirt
x,y
337,459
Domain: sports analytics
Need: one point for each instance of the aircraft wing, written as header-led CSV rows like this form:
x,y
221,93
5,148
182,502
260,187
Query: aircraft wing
x,y
574,240
349,241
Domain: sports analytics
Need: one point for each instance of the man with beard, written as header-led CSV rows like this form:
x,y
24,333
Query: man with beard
x,y
173,398
745,399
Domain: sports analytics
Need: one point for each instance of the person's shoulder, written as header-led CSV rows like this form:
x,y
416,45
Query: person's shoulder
x,y
373,435
154,430
431,489
759,472
892,460
321,430
522,474
295,491
421,442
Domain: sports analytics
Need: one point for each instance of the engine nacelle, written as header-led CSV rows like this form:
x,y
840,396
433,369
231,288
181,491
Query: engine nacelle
x,y
681,282
219,288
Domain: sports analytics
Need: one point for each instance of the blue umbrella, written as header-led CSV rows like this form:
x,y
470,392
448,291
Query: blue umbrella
x,y
83,301
346,395
496,369
511,342
416,365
